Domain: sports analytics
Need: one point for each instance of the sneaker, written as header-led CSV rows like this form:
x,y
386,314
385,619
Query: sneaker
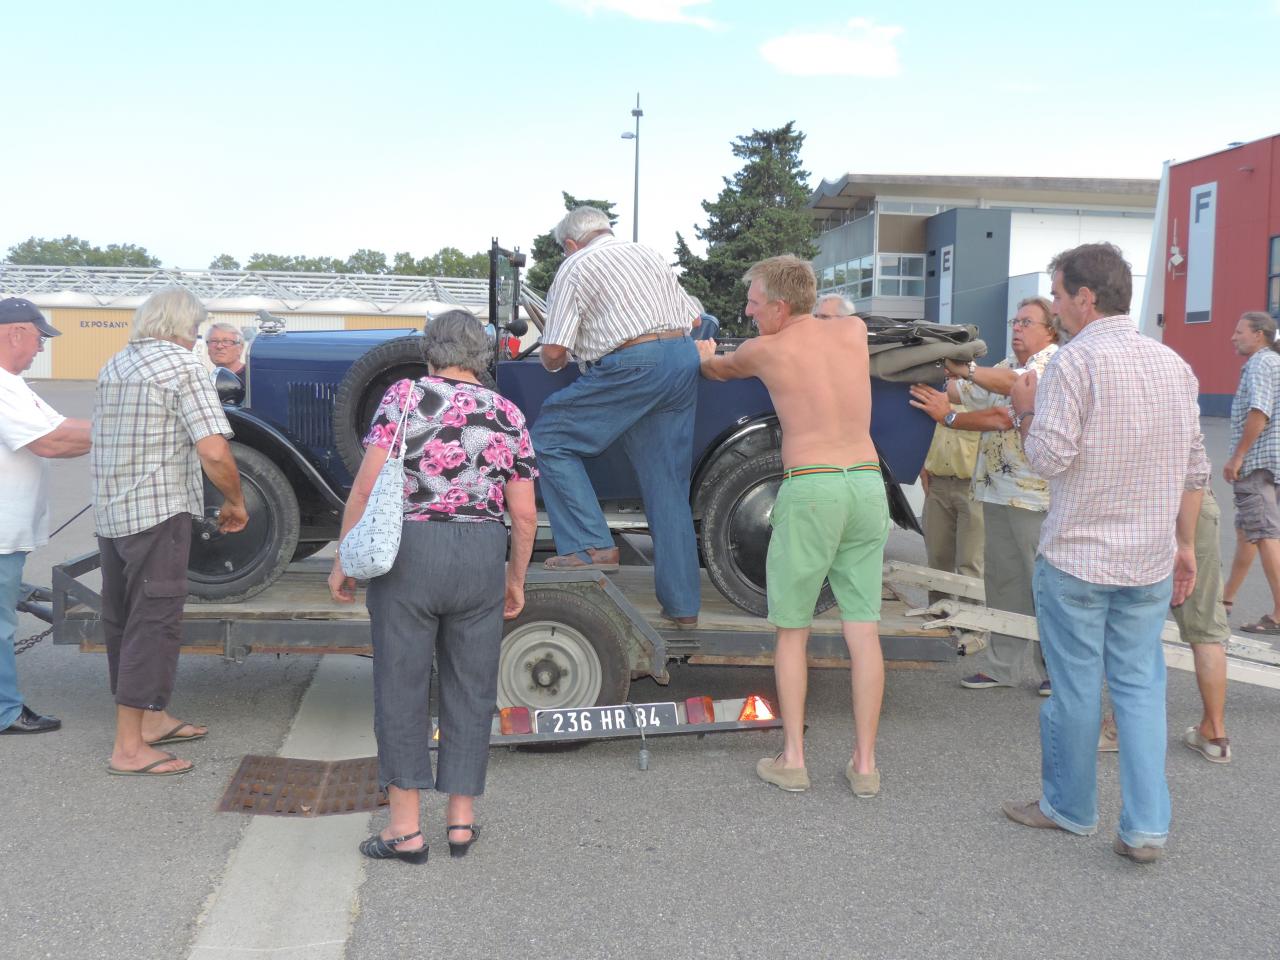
x,y
980,681
1108,737
1217,750
1137,854
1045,689
792,779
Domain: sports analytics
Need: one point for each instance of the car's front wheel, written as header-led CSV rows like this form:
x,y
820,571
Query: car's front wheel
x,y
234,566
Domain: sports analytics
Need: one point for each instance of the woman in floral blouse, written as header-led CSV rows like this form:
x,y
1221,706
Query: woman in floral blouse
x,y
468,460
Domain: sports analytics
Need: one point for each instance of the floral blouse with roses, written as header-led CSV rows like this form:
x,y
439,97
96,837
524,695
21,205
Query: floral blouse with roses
x,y
463,442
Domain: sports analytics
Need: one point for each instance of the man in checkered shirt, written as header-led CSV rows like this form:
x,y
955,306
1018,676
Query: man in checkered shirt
x,y
1115,429
156,422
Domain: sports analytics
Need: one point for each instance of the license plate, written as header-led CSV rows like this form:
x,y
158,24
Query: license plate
x,y
594,721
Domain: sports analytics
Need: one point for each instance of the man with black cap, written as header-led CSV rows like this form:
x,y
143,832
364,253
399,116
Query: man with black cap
x,y
31,433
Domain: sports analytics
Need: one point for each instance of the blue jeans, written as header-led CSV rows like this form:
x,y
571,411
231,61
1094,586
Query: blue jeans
x,y
1086,630
645,396
10,585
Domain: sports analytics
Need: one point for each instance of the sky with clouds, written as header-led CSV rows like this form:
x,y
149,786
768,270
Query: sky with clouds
x,y
318,128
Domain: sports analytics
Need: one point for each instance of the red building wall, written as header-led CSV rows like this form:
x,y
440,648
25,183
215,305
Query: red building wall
x,y
1246,218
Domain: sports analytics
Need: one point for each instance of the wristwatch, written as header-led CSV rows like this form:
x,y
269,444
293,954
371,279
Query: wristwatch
x,y
1019,417
972,367
950,419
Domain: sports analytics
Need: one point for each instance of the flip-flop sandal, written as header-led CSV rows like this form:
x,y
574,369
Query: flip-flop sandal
x,y
173,737
1265,625
571,561
150,769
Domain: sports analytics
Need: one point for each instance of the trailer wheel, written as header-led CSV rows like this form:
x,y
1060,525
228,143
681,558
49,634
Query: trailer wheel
x,y
562,651
234,566
735,532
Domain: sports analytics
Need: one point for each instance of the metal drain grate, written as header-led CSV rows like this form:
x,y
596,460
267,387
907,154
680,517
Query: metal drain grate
x,y
282,787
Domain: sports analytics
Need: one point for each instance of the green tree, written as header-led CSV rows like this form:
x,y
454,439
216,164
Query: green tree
x,y
546,252
224,261
71,251
760,213
367,261
296,264
452,262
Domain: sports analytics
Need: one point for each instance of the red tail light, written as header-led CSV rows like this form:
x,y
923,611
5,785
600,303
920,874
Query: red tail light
x,y
700,710
515,720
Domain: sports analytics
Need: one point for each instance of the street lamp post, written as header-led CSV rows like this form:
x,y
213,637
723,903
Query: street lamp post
x,y
635,203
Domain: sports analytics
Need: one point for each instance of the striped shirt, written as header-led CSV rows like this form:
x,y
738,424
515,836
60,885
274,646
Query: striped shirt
x,y
609,292
1117,435
1259,390
153,403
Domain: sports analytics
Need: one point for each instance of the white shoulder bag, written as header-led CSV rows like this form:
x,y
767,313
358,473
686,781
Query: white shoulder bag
x,y
369,549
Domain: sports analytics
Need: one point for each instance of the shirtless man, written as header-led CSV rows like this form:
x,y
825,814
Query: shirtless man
x,y
831,518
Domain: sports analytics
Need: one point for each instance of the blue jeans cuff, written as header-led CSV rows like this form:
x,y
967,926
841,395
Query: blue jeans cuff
x,y
1135,839
1069,825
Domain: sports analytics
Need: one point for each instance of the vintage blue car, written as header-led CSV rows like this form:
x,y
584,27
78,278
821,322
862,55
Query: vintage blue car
x,y
307,398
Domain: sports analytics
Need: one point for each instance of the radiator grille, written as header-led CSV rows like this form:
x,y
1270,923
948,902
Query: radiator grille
x,y
311,413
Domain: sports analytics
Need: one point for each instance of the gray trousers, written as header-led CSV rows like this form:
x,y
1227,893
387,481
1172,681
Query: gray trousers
x,y
144,588
1013,534
953,529
441,601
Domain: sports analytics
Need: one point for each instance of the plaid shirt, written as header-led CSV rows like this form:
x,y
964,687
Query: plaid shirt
x,y
1259,390
1117,435
153,403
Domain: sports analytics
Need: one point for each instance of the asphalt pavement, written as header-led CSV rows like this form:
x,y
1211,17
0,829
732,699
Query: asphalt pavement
x,y
585,856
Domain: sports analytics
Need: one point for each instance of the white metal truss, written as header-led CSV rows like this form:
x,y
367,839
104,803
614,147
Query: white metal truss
x,y
1248,660
381,292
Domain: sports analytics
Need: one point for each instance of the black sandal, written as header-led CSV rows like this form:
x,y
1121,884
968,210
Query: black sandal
x,y
457,850
378,849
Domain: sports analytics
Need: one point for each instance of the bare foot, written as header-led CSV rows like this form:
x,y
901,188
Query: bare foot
x,y
160,725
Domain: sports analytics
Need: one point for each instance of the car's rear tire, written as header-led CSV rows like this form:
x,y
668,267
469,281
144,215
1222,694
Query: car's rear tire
x,y
562,651
235,566
735,532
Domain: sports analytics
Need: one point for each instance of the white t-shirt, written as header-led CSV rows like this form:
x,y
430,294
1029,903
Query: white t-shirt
x,y
24,504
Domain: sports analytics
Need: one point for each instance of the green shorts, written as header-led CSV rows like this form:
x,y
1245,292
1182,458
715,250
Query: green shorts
x,y
827,526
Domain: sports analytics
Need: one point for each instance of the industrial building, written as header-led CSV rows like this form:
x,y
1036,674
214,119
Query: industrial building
x,y
93,306
967,249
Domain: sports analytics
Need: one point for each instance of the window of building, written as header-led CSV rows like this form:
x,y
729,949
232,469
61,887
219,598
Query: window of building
x,y
901,275
1273,278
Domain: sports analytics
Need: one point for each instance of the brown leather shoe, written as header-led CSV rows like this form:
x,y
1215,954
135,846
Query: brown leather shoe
x,y
1137,854
1028,814
604,560
680,623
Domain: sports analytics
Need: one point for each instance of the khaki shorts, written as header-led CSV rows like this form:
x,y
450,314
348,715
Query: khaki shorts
x,y
1202,618
1257,514
827,526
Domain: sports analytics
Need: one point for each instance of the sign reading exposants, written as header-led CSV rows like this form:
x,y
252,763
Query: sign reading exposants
x,y
1204,214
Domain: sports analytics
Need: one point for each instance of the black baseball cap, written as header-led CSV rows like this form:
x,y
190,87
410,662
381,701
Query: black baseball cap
x,y
17,310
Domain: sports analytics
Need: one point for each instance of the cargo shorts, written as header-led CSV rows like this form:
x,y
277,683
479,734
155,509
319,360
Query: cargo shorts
x,y
1202,618
1257,513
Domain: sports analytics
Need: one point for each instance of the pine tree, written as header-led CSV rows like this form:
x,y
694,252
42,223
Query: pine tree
x,y
546,253
760,213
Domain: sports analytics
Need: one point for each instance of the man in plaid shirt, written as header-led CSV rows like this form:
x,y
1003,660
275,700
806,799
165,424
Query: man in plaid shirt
x,y
156,422
1115,429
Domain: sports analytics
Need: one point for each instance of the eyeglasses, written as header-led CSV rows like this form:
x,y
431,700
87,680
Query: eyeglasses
x,y
1024,322
225,343
26,328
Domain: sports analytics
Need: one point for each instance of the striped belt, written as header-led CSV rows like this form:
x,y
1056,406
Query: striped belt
x,y
821,468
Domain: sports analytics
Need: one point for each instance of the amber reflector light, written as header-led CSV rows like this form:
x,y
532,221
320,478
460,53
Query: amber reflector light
x,y
756,708
515,720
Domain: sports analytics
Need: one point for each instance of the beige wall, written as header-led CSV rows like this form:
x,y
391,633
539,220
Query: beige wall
x,y
89,338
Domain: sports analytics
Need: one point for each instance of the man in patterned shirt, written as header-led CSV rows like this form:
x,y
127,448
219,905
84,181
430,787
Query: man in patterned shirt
x,y
156,422
1014,497
1115,428
617,308
1254,465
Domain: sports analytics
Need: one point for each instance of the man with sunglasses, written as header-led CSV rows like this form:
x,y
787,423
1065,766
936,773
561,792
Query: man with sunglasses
x,y
31,433
1014,497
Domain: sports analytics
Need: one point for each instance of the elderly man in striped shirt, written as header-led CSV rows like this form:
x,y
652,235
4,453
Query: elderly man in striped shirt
x,y
1115,429
617,308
